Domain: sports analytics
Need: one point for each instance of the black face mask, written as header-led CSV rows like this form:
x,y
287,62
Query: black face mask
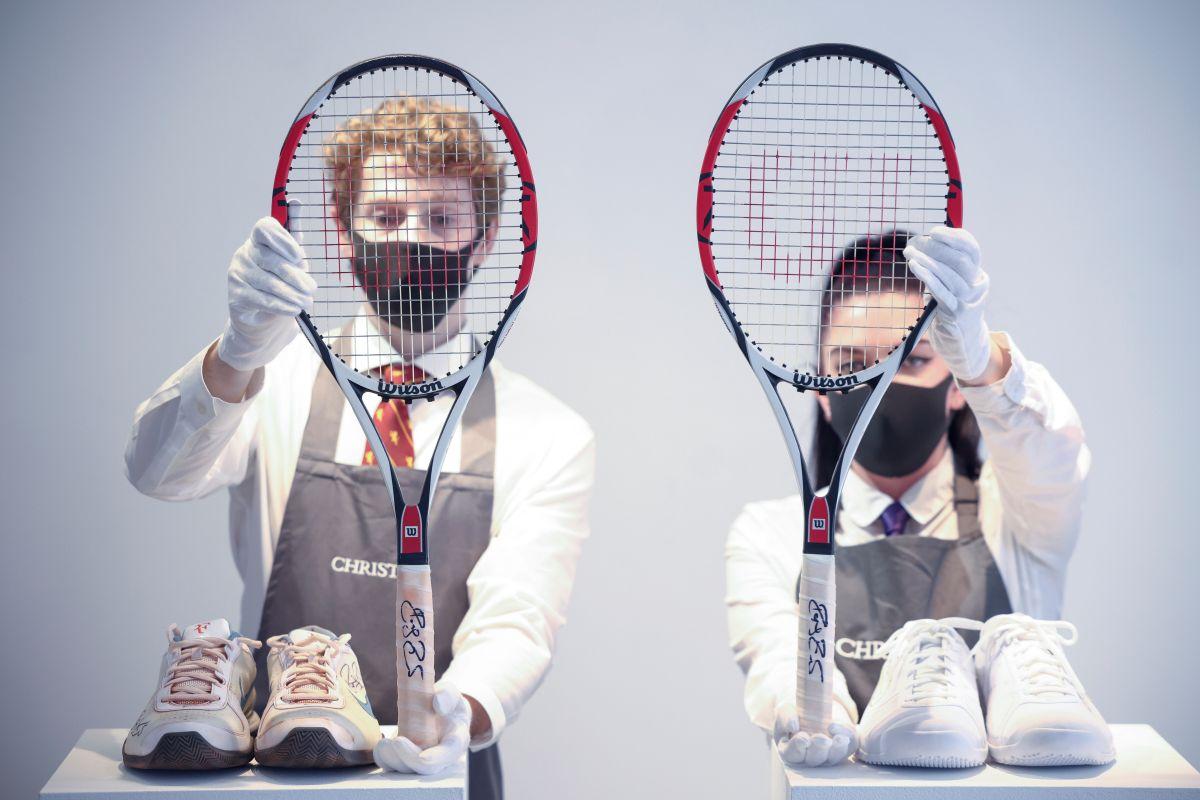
x,y
412,285
905,430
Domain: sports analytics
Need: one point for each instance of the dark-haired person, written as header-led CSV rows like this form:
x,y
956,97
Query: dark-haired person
x,y
927,526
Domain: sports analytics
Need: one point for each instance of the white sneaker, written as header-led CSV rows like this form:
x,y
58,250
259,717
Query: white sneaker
x,y
1037,711
925,709
318,714
202,714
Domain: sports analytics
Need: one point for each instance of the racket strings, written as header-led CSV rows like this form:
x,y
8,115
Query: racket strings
x,y
411,220
826,159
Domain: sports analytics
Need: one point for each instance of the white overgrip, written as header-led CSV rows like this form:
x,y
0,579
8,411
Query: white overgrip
x,y
415,717
814,664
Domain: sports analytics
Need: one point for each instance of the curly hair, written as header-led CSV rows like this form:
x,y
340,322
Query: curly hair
x,y
435,139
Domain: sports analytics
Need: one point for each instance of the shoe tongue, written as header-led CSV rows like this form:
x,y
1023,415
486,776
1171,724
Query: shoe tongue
x,y
198,685
306,638
301,635
929,635
214,627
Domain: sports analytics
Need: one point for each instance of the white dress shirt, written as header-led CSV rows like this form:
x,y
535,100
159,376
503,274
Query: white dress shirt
x,y
1031,490
186,444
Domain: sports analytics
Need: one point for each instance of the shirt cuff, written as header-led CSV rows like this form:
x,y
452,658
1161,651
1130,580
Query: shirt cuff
x,y
201,404
473,686
1009,392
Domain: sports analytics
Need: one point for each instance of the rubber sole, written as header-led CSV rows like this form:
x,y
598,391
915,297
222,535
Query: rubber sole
x,y
1055,760
937,762
186,751
944,749
1055,747
311,748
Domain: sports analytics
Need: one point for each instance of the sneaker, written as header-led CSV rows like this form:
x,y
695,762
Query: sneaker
x,y
318,714
925,709
1038,714
202,714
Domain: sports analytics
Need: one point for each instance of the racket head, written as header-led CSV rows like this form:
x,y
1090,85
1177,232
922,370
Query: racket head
x,y
818,151
411,190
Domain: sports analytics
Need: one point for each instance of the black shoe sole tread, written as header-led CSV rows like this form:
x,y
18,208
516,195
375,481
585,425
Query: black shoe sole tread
x,y
185,751
311,748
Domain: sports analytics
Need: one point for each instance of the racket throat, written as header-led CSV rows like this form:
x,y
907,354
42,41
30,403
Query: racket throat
x,y
411,529
818,530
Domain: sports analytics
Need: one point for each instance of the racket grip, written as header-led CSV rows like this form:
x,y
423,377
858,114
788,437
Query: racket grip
x,y
415,717
814,663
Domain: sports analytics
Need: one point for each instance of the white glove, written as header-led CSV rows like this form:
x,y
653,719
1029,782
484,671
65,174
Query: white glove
x,y
454,729
947,261
800,749
268,286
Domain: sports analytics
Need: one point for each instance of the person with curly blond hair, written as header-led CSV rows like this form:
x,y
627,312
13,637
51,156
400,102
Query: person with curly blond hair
x,y
416,192
413,198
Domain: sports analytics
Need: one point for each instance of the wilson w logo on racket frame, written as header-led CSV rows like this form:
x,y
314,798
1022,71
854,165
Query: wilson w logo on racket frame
x,y
410,189
819,164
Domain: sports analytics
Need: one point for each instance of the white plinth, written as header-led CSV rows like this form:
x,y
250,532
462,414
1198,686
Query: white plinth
x,y
1146,768
93,769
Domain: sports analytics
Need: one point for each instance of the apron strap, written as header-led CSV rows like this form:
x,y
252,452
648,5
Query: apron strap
x,y
324,418
479,430
966,507
478,424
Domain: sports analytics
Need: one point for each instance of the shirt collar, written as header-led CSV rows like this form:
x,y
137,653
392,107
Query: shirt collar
x,y
376,350
863,503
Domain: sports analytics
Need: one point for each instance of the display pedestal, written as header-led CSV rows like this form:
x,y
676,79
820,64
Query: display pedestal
x,y
93,769
1146,768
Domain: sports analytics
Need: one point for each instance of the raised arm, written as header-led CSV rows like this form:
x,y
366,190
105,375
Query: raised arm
x,y
193,435
1033,435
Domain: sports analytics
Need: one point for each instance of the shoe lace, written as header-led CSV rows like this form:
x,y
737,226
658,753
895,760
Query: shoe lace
x,y
925,646
1033,648
196,666
309,676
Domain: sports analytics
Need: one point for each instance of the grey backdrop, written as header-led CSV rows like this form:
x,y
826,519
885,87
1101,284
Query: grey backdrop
x,y
138,148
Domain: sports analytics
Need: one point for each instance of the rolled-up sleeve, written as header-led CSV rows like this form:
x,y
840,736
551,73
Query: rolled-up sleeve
x,y
185,443
1040,460
520,587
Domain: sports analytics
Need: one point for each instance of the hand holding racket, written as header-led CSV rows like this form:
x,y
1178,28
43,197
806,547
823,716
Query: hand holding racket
x,y
418,216
268,287
821,161
948,262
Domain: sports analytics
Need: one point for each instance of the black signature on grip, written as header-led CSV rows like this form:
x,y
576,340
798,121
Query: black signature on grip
x,y
818,622
412,622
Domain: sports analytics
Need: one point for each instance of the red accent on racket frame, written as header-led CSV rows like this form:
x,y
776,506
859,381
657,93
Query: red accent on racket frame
x,y
529,218
954,194
412,532
279,209
704,199
818,521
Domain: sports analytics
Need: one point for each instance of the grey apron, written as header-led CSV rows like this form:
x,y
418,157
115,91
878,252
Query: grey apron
x,y
335,560
883,584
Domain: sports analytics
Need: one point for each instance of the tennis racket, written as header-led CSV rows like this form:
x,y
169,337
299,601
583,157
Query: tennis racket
x,y
410,188
817,149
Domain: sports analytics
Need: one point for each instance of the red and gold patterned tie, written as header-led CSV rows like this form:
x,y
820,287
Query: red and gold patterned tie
x,y
392,420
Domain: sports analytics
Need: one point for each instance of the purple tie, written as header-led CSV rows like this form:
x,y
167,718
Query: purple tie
x,y
894,518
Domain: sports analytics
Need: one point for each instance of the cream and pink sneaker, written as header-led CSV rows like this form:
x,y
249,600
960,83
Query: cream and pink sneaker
x,y
202,714
318,714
